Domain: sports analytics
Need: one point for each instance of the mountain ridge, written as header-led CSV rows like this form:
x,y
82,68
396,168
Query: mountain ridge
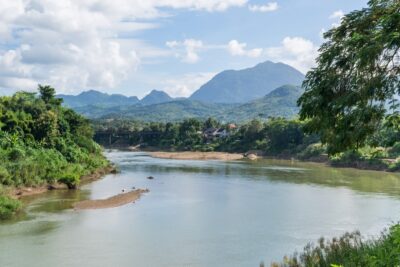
x,y
281,102
239,86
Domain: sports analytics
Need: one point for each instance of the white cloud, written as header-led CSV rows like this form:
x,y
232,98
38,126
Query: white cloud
x,y
239,49
184,86
81,43
295,51
268,7
187,50
337,14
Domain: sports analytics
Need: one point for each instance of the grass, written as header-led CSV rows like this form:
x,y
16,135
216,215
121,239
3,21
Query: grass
x,y
8,207
350,250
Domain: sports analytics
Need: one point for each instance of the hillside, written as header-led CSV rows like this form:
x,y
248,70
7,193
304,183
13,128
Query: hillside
x,y
240,86
155,97
90,97
281,102
169,111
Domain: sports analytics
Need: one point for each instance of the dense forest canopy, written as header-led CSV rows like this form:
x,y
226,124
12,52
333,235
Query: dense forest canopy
x,y
357,78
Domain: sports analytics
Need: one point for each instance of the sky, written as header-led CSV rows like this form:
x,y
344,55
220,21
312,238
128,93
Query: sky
x,y
133,46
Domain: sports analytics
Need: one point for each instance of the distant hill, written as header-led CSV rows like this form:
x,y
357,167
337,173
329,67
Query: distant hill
x,y
101,100
281,102
155,97
176,110
91,97
240,86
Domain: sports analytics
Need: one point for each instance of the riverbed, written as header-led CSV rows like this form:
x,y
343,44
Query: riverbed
x,y
200,213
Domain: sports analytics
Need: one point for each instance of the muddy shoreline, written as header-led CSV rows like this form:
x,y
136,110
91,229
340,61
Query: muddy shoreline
x,y
189,155
111,202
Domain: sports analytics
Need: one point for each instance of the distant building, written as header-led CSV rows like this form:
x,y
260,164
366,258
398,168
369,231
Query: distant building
x,y
212,133
232,126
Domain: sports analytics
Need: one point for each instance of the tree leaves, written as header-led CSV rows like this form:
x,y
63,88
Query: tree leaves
x,y
358,71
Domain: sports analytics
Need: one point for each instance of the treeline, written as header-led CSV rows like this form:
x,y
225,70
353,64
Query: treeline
x,y
274,136
41,143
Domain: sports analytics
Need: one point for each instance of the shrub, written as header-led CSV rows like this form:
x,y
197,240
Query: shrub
x,y
350,250
313,150
394,151
70,179
5,177
8,207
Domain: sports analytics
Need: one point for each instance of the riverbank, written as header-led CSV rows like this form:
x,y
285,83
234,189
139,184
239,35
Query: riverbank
x,y
11,197
19,193
384,165
111,202
193,155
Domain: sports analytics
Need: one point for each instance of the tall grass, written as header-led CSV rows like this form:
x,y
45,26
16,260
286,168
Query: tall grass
x,y
350,250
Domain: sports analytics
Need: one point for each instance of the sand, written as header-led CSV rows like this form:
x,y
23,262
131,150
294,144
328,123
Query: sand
x,y
111,202
188,155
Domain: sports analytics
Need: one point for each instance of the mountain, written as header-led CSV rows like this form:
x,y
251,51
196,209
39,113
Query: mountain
x,y
91,97
281,102
176,110
155,97
239,86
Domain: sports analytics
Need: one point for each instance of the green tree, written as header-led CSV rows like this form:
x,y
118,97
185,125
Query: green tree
x,y
357,73
47,94
211,123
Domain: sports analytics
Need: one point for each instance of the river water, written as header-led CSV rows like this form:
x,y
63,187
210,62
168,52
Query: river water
x,y
200,213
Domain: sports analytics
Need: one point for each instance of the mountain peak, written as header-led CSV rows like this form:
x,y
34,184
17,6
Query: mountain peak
x,y
239,86
155,97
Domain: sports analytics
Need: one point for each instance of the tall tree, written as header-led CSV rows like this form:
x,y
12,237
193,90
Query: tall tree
x,y
47,94
346,95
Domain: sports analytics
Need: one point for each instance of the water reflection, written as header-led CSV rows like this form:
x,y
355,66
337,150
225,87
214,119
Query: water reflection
x,y
200,213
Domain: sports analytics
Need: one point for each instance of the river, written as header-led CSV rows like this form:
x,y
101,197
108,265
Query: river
x,y
200,213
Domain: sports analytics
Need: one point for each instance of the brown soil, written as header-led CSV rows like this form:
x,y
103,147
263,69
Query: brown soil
x,y
111,202
188,155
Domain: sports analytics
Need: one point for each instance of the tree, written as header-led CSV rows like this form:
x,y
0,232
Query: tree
x,y
47,94
211,123
358,71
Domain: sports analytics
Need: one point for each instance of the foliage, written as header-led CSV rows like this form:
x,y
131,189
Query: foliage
x,y
42,142
8,207
273,136
357,75
313,150
350,250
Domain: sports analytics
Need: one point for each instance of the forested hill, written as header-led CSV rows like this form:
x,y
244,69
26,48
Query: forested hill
x,y
281,102
101,99
42,142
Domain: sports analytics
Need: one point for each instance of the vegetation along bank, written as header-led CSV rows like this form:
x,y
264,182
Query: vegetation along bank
x,y
43,145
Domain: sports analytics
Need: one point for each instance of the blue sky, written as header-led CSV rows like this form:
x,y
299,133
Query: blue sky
x,y
133,46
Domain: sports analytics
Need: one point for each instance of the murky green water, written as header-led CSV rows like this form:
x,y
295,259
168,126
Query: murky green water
x,y
201,213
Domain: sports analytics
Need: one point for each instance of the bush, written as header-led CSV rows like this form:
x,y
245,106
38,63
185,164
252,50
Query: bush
x,y
313,150
5,177
350,250
394,151
70,179
8,207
